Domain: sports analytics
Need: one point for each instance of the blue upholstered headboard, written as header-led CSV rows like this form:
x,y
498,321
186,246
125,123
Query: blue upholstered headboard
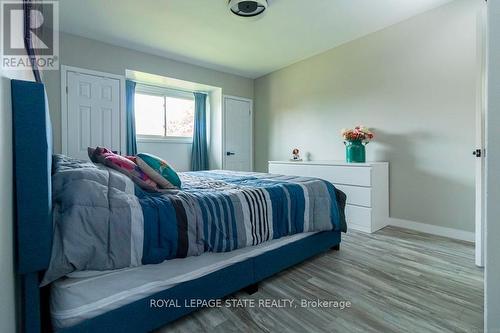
x,y
32,143
32,172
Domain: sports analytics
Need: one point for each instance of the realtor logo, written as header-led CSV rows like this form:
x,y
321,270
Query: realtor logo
x,y
30,34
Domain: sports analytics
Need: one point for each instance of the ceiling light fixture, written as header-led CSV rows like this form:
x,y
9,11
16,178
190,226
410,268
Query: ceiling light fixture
x,y
247,8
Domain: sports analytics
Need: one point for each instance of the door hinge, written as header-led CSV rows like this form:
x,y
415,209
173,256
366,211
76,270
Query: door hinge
x,y
66,90
478,153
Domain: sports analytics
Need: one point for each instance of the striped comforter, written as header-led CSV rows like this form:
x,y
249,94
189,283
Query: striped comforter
x,y
221,211
102,221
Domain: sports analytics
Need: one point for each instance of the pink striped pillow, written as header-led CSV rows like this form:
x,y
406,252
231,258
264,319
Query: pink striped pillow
x,y
123,164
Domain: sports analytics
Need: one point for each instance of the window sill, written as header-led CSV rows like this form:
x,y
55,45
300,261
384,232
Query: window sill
x,y
165,140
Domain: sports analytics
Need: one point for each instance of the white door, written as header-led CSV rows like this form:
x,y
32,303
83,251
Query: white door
x,y
237,134
479,152
92,114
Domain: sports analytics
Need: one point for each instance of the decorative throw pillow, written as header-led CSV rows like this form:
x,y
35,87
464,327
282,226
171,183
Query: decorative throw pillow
x,y
130,169
124,164
91,152
158,170
98,154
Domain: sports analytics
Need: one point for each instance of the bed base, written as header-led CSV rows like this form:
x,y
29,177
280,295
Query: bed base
x,y
222,283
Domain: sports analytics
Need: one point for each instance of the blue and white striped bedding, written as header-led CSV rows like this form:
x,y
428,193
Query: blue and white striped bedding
x,y
103,222
220,211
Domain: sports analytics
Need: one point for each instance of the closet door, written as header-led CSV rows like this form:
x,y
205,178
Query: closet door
x,y
238,152
92,113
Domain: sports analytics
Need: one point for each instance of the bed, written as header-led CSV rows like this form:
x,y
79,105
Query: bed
x,y
87,300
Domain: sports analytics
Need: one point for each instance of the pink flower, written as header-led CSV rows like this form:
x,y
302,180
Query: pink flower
x,y
359,132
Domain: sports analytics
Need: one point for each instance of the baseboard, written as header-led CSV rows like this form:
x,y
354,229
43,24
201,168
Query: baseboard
x,y
358,228
433,229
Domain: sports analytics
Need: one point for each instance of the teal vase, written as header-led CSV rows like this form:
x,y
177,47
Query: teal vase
x,y
355,151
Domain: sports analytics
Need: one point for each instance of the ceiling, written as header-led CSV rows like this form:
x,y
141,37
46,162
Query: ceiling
x,y
203,32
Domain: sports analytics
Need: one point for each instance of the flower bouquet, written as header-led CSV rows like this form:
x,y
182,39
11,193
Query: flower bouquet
x,y
358,133
355,140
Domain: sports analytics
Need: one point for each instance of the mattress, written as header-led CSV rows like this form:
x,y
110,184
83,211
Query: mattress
x,y
89,294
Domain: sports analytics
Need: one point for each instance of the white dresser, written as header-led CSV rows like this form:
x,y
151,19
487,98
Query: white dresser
x,y
365,184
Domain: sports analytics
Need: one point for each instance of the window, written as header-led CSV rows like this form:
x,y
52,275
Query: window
x,y
163,113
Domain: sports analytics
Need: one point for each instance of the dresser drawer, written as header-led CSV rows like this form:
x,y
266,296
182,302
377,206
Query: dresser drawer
x,y
358,218
360,196
339,174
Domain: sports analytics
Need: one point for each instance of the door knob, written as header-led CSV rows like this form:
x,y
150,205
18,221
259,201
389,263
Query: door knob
x,y
477,153
229,153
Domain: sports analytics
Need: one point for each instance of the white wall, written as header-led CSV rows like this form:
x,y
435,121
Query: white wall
x,y
7,276
7,304
492,231
414,83
91,54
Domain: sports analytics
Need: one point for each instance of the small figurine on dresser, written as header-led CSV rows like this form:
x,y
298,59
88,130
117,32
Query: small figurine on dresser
x,y
296,155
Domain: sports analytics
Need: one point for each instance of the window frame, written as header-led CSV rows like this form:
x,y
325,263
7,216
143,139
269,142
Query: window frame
x,y
163,92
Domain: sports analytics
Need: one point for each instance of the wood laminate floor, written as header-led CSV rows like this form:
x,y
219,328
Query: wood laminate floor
x,y
397,281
